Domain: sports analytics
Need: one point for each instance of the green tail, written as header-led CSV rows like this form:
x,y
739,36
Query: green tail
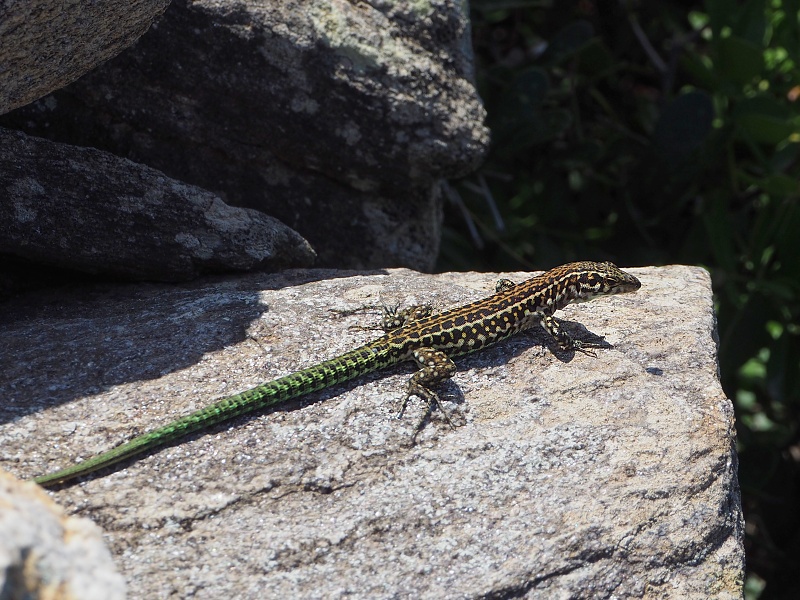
x,y
360,361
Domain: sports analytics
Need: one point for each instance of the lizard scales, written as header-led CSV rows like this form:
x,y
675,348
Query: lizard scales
x,y
428,340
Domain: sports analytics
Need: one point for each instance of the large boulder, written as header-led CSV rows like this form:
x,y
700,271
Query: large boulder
x,y
47,44
340,119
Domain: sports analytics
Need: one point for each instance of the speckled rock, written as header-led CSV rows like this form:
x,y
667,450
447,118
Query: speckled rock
x,y
570,476
47,555
90,211
50,43
338,118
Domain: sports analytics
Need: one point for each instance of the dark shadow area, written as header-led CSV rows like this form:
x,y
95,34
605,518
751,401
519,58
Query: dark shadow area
x,y
76,340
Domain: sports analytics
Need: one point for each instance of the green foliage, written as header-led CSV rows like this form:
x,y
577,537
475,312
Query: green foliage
x,y
654,133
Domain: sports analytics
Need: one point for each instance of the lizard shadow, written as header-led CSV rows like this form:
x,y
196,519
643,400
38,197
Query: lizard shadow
x,y
449,391
536,336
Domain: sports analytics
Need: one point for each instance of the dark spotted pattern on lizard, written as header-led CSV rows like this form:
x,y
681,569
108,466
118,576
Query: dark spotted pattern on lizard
x,y
431,340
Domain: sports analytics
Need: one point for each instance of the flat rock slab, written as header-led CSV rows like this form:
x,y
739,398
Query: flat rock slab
x,y
571,476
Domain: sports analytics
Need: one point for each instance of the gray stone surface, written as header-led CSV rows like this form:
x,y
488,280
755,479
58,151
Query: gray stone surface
x,y
47,44
45,554
90,211
571,476
338,118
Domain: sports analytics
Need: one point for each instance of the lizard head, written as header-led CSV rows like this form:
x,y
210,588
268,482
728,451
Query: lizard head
x,y
602,279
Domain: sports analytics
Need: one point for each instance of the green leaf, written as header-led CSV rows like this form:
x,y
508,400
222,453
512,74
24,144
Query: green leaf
x,y
740,60
683,126
720,13
776,184
568,42
595,59
751,21
519,111
530,87
718,225
764,120
701,69
538,127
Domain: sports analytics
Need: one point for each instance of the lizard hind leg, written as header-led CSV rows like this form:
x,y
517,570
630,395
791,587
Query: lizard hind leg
x,y
565,341
434,368
501,285
394,317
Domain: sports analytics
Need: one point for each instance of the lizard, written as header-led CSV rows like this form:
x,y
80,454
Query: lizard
x,y
430,340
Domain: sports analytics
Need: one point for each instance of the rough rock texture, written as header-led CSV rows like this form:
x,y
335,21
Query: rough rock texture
x,y
339,118
47,44
571,476
46,554
91,211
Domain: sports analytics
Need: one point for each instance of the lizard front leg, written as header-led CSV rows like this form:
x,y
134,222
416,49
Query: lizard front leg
x,y
565,341
434,368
